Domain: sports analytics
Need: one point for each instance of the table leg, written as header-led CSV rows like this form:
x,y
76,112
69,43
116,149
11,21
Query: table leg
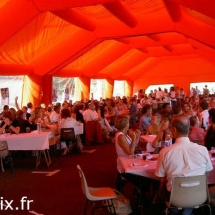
x,y
47,157
38,157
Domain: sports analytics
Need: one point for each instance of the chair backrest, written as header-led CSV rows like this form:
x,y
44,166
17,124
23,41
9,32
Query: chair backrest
x,y
84,185
3,149
67,134
93,132
189,192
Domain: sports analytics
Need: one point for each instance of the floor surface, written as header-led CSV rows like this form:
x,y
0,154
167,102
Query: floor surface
x,y
57,190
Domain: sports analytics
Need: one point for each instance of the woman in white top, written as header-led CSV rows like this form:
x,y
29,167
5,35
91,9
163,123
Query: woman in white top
x,y
125,140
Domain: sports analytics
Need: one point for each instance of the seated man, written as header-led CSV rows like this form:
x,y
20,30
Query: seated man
x,y
196,133
91,115
183,158
155,127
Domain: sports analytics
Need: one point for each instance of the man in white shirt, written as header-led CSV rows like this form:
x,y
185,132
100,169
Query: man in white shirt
x,y
183,158
55,114
90,114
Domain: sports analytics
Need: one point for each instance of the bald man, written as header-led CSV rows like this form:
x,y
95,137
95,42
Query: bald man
x,y
183,158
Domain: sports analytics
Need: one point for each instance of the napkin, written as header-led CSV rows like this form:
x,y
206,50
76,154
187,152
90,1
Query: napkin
x,y
139,165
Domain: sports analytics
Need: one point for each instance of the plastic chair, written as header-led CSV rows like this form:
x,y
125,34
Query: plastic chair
x,y
189,192
96,194
68,135
4,152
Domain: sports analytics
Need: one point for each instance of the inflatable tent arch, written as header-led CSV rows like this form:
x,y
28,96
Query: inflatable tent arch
x,y
141,41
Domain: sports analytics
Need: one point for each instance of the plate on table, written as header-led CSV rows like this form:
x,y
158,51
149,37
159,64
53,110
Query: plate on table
x,y
153,157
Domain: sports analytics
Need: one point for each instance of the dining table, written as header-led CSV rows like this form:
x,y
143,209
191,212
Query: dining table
x,y
35,141
146,168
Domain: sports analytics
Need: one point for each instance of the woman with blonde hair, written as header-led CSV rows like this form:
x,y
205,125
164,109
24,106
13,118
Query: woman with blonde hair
x,y
125,140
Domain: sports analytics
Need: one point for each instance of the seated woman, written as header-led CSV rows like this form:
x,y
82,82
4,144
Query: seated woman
x,y
164,131
187,111
125,142
9,124
23,122
196,133
145,120
66,122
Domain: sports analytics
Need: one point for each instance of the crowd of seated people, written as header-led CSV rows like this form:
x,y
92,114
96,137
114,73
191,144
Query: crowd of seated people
x,y
196,114
141,108
118,115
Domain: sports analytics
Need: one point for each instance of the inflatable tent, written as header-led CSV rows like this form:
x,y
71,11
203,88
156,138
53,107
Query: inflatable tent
x,y
143,42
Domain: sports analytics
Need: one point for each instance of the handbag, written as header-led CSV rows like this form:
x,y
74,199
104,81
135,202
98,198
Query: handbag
x,y
121,204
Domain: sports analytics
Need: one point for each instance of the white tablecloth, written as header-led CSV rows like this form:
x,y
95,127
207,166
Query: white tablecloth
x,y
79,129
148,138
27,141
138,166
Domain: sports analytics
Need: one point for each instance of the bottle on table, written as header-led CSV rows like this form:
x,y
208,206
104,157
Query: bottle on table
x,y
39,129
203,124
168,140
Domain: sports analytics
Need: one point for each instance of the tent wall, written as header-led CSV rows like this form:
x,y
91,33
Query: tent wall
x,y
109,84
180,72
32,90
46,89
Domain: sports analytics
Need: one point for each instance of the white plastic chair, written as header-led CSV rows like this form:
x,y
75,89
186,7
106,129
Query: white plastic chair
x,y
4,152
96,194
189,192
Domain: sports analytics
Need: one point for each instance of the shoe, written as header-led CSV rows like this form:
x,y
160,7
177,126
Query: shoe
x,y
65,151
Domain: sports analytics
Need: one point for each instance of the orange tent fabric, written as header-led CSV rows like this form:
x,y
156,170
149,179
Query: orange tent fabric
x,y
143,42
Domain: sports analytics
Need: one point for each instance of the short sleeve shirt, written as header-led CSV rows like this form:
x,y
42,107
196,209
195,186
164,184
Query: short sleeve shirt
x,y
183,158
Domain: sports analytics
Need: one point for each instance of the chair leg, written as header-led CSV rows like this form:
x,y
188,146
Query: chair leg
x,y
93,208
2,166
209,207
112,205
85,211
166,211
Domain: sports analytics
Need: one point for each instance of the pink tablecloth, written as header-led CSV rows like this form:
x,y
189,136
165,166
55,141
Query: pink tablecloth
x,y
148,138
138,166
